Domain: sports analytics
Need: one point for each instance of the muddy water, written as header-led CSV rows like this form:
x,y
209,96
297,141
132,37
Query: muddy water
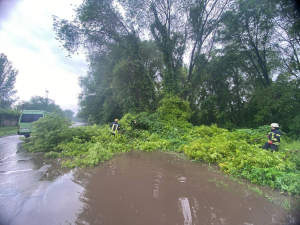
x,y
159,188
144,188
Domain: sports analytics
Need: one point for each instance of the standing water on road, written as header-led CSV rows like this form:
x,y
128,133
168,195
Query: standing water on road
x,y
133,188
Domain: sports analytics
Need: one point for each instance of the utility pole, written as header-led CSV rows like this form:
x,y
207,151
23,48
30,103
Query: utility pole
x,y
46,95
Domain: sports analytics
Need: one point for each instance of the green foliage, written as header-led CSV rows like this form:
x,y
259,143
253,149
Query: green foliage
x,y
150,121
279,102
6,114
97,153
241,30
292,148
8,131
69,114
50,131
256,136
286,205
87,146
219,183
234,155
41,103
173,109
8,77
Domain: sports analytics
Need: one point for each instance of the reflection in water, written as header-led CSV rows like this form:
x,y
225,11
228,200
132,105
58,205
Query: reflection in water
x,y
14,171
56,204
182,179
148,188
157,180
112,168
184,207
195,207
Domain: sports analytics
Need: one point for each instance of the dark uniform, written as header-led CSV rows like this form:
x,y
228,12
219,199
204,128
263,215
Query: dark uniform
x,y
274,140
114,127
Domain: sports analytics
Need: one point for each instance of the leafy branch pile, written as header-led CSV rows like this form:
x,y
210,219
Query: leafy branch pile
x,y
235,156
238,153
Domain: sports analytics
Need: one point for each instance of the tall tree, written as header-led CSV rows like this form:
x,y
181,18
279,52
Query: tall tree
x,y
152,58
288,33
166,20
96,97
102,31
204,20
7,82
119,82
69,114
221,94
251,26
97,24
279,102
178,27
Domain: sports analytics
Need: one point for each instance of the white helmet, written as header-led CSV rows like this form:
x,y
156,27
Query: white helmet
x,y
274,125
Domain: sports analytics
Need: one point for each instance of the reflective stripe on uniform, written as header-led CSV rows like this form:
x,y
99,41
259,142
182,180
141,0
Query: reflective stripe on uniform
x,y
273,138
114,128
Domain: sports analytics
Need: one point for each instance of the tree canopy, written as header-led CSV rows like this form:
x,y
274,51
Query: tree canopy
x,y
41,103
7,82
236,62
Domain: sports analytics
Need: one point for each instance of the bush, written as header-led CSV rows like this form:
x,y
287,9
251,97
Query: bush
x,y
234,155
49,132
7,114
173,109
292,148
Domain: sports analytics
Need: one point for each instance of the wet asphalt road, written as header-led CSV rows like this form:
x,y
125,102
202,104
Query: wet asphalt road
x,y
132,188
20,176
23,176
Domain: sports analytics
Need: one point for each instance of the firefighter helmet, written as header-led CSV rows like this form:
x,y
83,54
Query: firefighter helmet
x,y
275,125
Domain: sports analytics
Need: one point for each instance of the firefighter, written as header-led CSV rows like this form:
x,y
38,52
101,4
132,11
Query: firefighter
x,y
274,138
114,127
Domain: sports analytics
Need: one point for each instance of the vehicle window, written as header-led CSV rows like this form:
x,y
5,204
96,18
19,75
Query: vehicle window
x,y
36,116
29,118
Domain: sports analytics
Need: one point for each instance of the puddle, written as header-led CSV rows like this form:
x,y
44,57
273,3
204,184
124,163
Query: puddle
x,y
142,188
161,188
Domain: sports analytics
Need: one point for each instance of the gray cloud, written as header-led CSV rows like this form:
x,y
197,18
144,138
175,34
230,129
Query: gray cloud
x,y
22,42
6,7
74,65
42,33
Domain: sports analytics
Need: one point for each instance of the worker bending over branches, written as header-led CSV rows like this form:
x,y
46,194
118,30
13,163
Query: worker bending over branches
x,y
274,138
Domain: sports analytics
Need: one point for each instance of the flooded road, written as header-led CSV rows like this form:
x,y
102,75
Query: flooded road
x,y
133,188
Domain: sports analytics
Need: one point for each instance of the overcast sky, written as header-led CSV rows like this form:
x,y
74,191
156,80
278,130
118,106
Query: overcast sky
x,y
26,37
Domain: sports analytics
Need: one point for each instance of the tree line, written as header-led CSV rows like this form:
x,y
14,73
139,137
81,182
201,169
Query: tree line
x,y
235,62
9,105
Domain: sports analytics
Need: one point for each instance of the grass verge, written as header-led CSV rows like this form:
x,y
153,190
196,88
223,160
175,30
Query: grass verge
x,y
8,130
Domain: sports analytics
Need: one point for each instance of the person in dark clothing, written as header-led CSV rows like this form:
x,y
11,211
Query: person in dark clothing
x,y
114,127
274,138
